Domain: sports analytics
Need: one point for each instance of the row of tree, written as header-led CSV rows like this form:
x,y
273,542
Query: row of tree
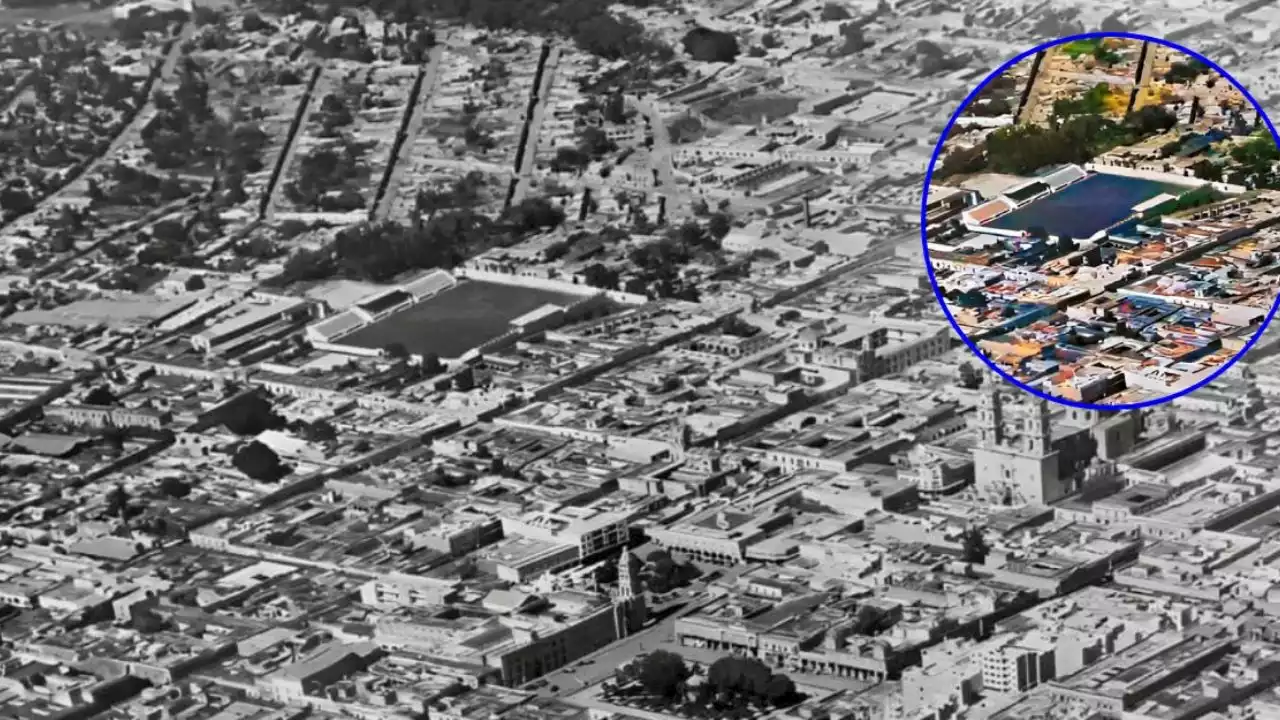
x,y
1024,149
379,251
731,682
587,22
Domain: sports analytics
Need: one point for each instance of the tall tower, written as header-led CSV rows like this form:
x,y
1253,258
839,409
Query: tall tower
x,y
1038,434
1015,458
628,581
629,611
990,416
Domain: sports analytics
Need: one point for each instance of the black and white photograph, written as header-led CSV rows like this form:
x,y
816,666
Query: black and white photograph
x,y
639,360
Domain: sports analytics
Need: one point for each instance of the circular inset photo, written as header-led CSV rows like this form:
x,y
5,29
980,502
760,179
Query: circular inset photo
x,y
1101,221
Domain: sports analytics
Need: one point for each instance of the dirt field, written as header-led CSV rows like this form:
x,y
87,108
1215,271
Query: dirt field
x,y
457,319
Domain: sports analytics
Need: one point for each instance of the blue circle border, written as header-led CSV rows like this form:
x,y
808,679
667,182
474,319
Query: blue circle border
x,y
928,182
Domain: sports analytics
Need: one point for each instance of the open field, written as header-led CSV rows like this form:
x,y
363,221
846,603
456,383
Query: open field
x,y
1085,208
456,320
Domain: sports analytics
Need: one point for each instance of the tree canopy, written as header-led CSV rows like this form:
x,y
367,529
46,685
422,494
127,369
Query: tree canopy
x,y
259,462
706,45
974,546
250,414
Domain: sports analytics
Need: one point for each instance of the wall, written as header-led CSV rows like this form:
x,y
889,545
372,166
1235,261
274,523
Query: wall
x,y
551,284
1172,178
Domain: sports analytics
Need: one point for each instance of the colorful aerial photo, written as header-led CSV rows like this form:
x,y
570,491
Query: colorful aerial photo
x,y
1101,219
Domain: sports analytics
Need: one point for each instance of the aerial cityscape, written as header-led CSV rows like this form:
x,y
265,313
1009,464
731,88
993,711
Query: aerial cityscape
x,y
495,360
1101,223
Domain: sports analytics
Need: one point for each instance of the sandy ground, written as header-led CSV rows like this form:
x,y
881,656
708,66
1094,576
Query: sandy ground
x,y
990,184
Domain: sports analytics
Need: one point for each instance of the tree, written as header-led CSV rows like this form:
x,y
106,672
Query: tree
x,y
16,200
706,45
780,690
832,12
259,462
250,415
321,431
974,546
866,621
996,107
1113,23
662,673
615,109
969,377
719,225
194,283
1184,73
115,438
962,161
174,487
737,678
1151,120
533,214
1206,169
101,396
253,23
600,276
595,143
118,502
606,573
855,40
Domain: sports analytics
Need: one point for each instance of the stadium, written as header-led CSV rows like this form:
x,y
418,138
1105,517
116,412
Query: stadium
x,y
453,317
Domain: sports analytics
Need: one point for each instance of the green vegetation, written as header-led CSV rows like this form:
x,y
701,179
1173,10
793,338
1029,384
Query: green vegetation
x,y
587,22
974,546
1183,73
1091,103
1256,159
733,686
706,45
330,176
1094,47
1199,197
259,462
1023,149
379,251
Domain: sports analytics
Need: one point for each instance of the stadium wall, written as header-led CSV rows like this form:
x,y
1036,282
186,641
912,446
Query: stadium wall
x,y
1163,177
553,285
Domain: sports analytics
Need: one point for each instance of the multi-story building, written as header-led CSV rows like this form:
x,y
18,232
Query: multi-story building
x,y
1012,664
592,532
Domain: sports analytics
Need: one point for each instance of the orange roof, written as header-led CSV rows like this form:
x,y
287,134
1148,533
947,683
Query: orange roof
x,y
989,210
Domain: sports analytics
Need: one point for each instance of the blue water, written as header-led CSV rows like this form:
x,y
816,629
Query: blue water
x,y
1080,210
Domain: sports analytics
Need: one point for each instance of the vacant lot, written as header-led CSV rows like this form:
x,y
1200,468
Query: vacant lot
x,y
456,320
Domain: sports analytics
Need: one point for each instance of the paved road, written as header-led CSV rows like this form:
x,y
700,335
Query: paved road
x,y
661,161
529,159
1146,65
291,143
1039,84
417,113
